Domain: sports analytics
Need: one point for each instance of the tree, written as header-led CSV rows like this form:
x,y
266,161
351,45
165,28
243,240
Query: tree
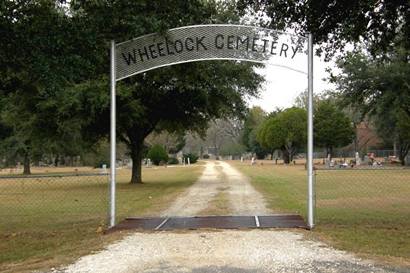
x,y
233,148
254,118
222,133
39,59
379,88
157,154
332,127
336,23
285,131
181,97
173,143
392,126
301,101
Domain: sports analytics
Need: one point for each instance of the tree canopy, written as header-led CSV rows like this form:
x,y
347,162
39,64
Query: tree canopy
x,y
254,118
378,88
333,128
55,64
336,23
285,131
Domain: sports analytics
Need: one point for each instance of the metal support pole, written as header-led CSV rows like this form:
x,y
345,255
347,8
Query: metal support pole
x,y
310,207
112,137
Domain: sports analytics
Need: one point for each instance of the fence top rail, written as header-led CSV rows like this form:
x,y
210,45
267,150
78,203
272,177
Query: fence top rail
x,y
365,169
57,175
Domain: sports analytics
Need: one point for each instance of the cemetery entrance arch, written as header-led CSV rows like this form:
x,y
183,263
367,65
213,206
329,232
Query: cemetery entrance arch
x,y
213,42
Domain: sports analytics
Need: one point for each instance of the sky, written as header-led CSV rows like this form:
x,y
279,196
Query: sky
x,y
282,86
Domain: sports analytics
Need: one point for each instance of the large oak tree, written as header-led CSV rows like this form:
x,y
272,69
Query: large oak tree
x,y
180,97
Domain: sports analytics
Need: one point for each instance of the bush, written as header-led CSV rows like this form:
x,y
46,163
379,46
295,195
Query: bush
x,y
157,154
205,156
173,161
193,158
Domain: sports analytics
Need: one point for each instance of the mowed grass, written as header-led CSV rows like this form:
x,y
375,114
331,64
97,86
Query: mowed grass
x,y
364,211
51,221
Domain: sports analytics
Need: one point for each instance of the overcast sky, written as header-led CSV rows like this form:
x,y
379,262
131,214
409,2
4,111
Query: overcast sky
x,y
283,86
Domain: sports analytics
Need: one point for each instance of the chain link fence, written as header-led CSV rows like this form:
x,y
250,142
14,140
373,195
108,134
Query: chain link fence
x,y
367,195
51,201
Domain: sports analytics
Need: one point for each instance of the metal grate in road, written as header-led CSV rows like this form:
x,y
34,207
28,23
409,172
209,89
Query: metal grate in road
x,y
216,222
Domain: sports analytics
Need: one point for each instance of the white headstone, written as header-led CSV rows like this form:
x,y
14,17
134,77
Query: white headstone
x,y
357,159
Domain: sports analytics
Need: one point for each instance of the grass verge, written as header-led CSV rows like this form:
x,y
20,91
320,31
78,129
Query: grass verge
x,y
48,222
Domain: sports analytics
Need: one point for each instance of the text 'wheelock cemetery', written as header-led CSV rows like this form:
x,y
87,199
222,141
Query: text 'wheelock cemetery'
x,y
205,43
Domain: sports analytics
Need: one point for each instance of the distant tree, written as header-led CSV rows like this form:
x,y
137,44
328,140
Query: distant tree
x,y
193,158
157,154
223,132
378,88
285,131
333,127
254,118
233,148
301,101
173,142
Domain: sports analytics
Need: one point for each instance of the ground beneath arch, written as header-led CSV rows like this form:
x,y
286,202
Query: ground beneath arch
x,y
221,190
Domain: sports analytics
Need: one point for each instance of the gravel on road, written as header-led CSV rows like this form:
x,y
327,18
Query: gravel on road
x,y
236,251
228,251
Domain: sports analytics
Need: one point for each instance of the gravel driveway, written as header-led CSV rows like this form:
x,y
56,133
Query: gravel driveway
x,y
209,251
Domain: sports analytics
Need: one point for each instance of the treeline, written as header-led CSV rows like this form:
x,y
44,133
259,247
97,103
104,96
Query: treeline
x,y
54,67
375,90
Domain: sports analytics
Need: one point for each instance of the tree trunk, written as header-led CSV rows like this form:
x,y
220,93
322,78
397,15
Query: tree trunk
x,y
136,148
26,169
404,150
56,160
285,155
292,153
329,151
395,148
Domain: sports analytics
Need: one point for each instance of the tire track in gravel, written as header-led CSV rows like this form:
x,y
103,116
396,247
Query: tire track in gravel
x,y
243,198
219,177
197,197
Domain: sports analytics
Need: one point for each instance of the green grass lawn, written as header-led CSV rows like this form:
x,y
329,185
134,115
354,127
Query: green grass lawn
x,y
51,221
364,211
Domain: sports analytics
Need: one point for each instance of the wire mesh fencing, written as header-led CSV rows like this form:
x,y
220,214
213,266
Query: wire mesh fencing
x,y
374,196
44,201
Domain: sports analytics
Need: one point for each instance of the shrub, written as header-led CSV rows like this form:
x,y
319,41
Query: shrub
x,y
157,154
193,158
173,161
205,156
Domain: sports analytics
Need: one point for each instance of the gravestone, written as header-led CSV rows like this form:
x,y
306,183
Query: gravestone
x,y
366,160
358,159
104,168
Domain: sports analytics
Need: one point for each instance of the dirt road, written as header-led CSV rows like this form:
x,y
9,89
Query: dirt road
x,y
230,251
219,178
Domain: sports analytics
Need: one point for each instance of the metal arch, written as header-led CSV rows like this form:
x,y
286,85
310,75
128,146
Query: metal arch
x,y
113,80
217,42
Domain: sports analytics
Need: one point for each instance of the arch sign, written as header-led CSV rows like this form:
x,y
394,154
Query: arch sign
x,y
212,42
